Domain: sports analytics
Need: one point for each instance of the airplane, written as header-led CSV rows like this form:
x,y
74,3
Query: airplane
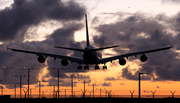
x,y
90,55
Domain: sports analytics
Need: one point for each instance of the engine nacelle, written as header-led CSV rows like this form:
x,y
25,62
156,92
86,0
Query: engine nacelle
x,y
99,54
41,59
64,62
143,58
122,61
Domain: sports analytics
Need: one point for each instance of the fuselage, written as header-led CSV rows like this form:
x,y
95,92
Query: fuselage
x,y
91,57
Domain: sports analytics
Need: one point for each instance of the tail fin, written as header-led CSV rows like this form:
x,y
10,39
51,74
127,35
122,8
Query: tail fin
x,y
87,35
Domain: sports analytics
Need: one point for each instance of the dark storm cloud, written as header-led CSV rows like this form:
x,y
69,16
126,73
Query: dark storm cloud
x,y
23,14
12,60
139,33
16,59
66,80
128,75
65,37
16,20
106,84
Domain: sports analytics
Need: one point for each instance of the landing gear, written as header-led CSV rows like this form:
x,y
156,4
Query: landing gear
x,y
86,67
104,67
96,67
79,67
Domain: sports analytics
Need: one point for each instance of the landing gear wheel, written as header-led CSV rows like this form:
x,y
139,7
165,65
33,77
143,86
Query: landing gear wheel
x,y
96,67
79,67
86,67
104,67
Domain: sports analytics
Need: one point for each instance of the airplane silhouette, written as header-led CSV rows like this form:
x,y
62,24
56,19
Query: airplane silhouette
x,y
90,55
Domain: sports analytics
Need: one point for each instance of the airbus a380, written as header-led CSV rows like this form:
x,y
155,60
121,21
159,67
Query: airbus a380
x,y
90,55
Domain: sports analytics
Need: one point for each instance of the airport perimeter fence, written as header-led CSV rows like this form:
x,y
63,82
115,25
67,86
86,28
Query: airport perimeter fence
x,y
104,94
97,96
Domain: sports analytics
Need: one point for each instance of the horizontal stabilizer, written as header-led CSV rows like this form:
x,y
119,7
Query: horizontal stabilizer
x,y
81,50
104,48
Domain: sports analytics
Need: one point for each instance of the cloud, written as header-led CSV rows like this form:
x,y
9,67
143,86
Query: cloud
x,y
158,87
17,19
126,73
146,91
170,1
122,83
106,84
138,33
110,79
120,13
24,14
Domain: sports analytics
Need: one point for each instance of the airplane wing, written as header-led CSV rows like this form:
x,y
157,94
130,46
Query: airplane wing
x,y
72,59
104,60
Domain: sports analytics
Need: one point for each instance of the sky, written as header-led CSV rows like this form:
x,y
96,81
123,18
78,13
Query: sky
x,y
134,25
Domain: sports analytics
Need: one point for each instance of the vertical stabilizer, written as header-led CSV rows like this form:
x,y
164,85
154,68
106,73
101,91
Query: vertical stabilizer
x,y
87,35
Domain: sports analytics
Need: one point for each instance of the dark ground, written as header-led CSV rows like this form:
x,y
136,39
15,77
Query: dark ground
x,y
93,100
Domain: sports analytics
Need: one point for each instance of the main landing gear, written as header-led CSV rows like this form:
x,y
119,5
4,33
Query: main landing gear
x,y
96,67
104,67
79,67
86,67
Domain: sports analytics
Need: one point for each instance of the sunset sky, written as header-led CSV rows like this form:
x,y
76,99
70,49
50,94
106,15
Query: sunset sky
x,y
134,25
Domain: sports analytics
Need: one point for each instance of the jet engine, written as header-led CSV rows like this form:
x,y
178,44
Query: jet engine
x,y
143,58
41,59
64,62
99,55
122,61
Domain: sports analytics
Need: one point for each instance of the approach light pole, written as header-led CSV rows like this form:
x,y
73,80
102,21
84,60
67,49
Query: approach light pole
x,y
20,77
2,90
58,75
84,87
24,68
31,91
14,90
140,83
93,88
101,91
71,76
39,87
